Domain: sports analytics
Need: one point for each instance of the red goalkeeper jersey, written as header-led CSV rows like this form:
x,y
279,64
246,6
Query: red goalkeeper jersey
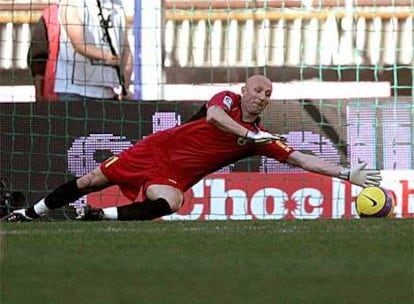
x,y
182,155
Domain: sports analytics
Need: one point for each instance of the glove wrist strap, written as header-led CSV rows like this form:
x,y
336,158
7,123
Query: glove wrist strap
x,y
247,134
345,173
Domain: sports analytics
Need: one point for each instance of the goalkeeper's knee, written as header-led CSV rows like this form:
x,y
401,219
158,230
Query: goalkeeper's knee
x,y
93,180
172,195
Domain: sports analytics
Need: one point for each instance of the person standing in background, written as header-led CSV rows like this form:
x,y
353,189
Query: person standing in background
x,y
42,55
94,54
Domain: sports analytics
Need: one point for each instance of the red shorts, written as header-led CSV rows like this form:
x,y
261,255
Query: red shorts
x,y
135,169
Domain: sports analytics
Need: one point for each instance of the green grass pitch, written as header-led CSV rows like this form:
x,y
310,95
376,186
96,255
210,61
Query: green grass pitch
x,y
295,261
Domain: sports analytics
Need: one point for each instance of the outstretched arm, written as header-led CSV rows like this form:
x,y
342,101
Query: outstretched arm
x,y
357,176
313,164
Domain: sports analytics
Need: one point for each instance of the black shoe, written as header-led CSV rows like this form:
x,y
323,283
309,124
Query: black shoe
x,y
17,216
89,213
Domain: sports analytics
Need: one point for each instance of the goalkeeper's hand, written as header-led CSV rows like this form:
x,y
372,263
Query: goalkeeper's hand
x,y
361,176
262,137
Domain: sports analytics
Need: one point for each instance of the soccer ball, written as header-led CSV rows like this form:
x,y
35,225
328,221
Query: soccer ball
x,y
374,202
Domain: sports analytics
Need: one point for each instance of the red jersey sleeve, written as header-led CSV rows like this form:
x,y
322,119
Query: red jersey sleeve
x,y
225,100
275,149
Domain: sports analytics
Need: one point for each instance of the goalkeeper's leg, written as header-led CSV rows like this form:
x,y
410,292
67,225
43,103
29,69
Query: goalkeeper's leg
x,y
63,195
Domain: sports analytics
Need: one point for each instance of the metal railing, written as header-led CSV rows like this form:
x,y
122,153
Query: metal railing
x,y
289,37
258,37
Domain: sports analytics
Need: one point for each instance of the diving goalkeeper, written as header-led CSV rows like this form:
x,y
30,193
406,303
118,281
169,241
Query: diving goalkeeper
x,y
166,164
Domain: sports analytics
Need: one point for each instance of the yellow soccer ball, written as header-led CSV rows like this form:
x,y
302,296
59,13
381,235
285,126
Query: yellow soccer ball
x,y
375,202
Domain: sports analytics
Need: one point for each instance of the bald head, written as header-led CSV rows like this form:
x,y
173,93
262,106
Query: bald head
x,y
257,82
259,79
255,96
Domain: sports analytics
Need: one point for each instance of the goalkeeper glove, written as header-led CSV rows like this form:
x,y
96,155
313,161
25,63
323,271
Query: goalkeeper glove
x,y
361,176
262,137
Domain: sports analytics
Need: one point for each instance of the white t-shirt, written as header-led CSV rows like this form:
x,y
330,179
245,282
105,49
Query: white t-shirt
x,y
78,74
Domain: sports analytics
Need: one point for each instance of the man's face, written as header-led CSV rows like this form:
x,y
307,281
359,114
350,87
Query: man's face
x,y
256,94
